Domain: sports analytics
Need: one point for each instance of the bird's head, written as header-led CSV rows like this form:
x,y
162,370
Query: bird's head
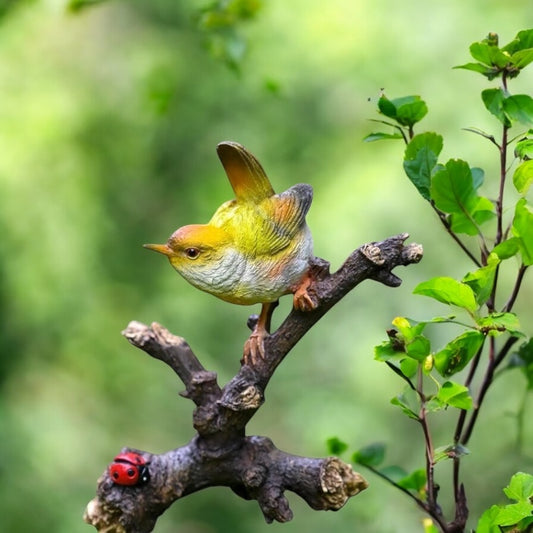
x,y
195,251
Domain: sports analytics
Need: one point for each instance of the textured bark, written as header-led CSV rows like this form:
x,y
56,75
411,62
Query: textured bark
x,y
220,454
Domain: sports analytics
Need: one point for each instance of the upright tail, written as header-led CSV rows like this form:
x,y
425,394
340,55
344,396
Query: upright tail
x,y
245,173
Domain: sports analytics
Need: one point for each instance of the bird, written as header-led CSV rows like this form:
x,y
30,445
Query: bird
x,y
256,247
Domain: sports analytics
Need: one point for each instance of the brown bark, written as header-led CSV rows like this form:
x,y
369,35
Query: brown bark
x,y
220,453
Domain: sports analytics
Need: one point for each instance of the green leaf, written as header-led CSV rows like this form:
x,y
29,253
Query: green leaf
x,y
523,176
379,136
520,487
448,291
387,350
524,148
408,403
512,514
453,191
482,210
493,100
488,521
393,472
336,446
411,111
524,360
414,481
489,72
478,176
407,110
500,322
409,366
451,451
455,395
507,249
418,348
386,107
522,58
517,514
420,160
523,230
371,455
458,353
522,41
519,108
481,280
489,55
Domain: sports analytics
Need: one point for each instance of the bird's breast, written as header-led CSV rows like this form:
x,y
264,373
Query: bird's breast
x,y
245,279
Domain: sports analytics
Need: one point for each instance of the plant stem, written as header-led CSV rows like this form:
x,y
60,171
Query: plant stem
x,y
494,361
437,516
453,235
516,289
430,462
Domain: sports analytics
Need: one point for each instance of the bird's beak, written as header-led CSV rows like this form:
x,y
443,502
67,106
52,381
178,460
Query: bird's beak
x,y
161,248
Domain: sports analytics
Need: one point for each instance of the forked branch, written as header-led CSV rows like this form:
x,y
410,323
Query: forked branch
x,y
220,453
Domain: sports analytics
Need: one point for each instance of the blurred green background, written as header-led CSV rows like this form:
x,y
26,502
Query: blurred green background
x,y
109,118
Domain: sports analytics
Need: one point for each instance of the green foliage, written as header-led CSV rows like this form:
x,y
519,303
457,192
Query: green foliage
x,y
336,446
516,517
221,21
487,336
420,160
507,61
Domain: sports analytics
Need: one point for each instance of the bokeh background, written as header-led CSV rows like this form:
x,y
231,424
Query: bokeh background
x,y
109,118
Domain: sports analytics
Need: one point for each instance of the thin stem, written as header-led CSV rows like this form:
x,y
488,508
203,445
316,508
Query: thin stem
x,y
398,371
437,516
503,174
453,235
494,361
516,289
430,463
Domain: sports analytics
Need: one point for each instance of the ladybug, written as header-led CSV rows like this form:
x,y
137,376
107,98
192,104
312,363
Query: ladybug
x,y
129,469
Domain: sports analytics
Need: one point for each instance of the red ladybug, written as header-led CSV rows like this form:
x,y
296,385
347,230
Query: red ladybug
x,y
129,469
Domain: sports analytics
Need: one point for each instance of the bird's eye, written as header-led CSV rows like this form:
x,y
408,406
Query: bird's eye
x,y
192,253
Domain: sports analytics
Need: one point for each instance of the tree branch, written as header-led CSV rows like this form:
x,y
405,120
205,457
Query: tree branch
x,y
220,453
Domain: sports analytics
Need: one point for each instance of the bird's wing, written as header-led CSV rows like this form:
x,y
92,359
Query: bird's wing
x,y
281,217
245,173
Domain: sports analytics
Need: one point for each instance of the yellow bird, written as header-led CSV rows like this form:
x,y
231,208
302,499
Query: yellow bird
x,y
254,249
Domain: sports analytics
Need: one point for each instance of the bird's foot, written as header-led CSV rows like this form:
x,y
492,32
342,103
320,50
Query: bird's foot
x,y
254,347
302,301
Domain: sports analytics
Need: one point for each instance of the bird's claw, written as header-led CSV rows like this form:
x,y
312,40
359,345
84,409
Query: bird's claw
x,y
302,301
254,348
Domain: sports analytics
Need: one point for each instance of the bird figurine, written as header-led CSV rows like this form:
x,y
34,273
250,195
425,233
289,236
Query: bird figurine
x,y
254,249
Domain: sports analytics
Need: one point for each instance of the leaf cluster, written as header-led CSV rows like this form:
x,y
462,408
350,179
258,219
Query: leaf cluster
x,y
489,232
